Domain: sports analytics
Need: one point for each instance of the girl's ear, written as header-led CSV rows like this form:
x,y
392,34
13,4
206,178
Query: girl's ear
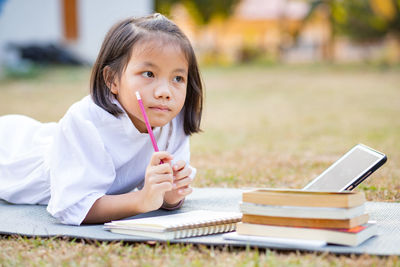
x,y
109,79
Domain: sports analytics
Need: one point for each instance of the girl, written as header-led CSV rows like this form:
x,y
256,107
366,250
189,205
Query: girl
x,y
86,166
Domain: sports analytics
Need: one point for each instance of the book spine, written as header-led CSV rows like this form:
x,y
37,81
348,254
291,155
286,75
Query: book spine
x,y
301,212
309,200
306,222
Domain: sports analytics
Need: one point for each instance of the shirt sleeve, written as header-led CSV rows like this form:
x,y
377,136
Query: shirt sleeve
x,y
81,170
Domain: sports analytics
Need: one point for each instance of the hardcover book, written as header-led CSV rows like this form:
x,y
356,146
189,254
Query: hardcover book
x,y
306,222
297,197
350,237
301,212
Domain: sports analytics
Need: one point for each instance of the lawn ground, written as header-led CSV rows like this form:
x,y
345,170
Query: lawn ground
x,y
263,126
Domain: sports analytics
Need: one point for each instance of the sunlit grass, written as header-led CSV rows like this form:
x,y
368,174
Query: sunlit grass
x,y
281,127
17,251
264,126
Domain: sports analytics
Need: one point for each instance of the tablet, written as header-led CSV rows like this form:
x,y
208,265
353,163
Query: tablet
x,y
348,171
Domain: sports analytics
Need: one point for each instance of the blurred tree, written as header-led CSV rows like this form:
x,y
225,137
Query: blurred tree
x,y
328,8
361,20
366,20
201,10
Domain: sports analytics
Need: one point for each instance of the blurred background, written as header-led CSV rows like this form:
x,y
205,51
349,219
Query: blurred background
x,y
223,32
291,85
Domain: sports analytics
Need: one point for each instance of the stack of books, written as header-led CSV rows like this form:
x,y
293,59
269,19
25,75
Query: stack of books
x,y
332,217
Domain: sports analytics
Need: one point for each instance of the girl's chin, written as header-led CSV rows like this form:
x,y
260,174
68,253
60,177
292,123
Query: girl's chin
x,y
159,124
159,121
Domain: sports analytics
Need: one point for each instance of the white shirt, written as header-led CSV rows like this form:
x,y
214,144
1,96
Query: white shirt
x,y
87,154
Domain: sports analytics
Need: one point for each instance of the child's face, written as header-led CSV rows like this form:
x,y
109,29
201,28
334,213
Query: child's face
x,y
159,71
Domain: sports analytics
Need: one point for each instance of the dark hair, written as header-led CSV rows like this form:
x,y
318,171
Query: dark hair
x,y
115,53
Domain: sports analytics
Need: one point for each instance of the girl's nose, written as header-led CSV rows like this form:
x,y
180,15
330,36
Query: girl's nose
x,y
163,90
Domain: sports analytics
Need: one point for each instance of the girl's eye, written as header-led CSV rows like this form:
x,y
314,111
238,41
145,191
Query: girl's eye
x,y
178,79
148,74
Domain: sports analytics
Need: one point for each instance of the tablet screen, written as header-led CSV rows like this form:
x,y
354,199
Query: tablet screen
x,y
353,165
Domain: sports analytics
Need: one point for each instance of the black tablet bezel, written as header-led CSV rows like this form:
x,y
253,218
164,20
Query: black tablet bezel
x,y
357,180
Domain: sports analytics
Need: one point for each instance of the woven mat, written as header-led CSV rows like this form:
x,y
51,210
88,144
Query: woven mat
x,y
33,220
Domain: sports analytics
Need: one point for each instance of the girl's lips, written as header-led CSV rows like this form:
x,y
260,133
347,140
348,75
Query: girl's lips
x,y
160,108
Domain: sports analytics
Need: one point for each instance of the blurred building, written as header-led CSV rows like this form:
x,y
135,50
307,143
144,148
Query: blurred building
x,y
79,25
256,28
278,30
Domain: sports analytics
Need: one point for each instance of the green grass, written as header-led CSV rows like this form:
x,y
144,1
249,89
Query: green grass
x,y
270,126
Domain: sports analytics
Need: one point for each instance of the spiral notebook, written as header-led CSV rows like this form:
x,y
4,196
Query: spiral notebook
x,y
180,225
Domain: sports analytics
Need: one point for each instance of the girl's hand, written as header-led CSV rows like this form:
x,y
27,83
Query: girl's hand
x,y
181,182
158,180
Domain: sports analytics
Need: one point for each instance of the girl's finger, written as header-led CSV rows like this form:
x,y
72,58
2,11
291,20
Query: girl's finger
x,y
182,183
159,156
179,165
163,168
185,191
163,187
159,169
183,173
161,178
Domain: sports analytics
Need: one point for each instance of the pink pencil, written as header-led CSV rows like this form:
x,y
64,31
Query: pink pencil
x,y
146,120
